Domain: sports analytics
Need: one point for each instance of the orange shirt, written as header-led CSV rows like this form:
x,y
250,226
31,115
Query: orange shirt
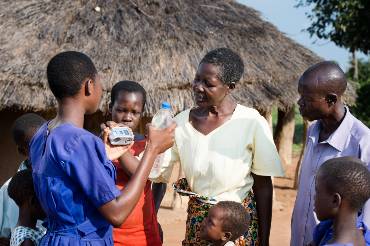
x,y
141,226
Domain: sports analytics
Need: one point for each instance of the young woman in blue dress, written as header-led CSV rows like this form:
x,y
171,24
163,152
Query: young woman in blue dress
x,y
73,174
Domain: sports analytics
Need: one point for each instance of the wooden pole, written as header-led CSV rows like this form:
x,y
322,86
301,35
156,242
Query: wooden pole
x,y
296,175
284,133
355,65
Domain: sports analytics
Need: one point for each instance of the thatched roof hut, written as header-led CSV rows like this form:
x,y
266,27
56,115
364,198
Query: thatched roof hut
x,y
158,43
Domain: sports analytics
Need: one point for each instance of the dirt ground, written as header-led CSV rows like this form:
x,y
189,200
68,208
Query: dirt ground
x,y
173,220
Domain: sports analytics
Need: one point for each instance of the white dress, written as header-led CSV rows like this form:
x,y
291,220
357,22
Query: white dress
x,y
219,165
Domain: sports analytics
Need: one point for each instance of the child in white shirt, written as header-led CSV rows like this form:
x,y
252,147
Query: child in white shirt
x,y
22,192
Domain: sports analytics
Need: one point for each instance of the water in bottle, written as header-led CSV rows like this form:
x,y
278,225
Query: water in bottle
x,y
162,119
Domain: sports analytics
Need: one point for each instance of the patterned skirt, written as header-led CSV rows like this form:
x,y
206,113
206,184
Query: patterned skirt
x,y
198,211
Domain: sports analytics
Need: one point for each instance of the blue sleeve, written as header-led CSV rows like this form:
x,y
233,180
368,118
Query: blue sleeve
x,y
90,168
322,232
361,225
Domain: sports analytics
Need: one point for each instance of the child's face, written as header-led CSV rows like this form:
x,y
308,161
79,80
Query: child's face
x,y
127,109
211,229
23,149
97,91
23,145
324,201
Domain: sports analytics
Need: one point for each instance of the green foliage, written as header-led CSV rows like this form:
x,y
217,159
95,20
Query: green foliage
x,y
362,108
363,71
298,132
345,22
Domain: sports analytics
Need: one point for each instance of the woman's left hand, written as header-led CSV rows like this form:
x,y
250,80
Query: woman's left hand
x,y
113,151
262,189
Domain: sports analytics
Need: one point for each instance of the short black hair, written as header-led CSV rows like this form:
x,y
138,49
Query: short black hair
x,y
236,219
230,64
20,187
349,177
128,86
67,71
25,126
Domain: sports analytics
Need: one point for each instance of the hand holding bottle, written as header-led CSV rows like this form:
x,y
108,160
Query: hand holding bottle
x,y
159,140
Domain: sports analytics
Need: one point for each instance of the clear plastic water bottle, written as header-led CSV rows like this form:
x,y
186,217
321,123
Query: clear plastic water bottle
x,y
162,119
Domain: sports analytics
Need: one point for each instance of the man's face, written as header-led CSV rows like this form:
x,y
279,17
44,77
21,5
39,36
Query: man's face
x,y
312,101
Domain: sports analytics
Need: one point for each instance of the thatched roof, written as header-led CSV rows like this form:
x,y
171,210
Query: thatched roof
x,y
158,43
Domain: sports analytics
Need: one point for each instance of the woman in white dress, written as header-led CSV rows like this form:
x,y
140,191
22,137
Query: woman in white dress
x,y
226,150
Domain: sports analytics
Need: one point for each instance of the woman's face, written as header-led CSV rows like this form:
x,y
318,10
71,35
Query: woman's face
x,y
208,89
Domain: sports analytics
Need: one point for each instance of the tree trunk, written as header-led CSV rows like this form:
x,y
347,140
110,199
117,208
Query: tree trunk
x,y
284,133
268,116
296,175
355,65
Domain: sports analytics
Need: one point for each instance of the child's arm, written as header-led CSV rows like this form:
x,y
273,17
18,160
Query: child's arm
x,y
117,210
129,163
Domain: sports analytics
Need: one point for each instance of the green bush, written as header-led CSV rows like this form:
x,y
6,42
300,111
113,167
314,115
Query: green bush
x,y
362,108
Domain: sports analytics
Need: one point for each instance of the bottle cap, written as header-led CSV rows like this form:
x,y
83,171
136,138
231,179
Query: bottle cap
x,y
165,105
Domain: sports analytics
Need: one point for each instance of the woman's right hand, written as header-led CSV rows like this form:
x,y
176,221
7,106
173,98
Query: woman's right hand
x,y
159,140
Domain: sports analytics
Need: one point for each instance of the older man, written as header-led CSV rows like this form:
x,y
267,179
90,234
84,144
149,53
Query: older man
x,y
335,132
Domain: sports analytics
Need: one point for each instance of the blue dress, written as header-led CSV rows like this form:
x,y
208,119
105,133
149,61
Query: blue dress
x,y
72,178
